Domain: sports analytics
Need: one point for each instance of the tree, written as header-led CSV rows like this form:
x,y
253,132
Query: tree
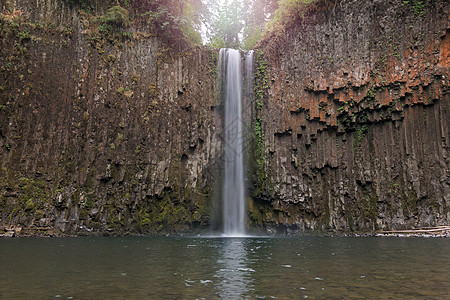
x,y
258,14
224,23
171,16
237,24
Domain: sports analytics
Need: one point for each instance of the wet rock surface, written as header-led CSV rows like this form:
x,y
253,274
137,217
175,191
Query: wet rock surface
x,y
103,132
354,114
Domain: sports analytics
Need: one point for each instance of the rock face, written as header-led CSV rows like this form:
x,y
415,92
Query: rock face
x,y
103,129
353,118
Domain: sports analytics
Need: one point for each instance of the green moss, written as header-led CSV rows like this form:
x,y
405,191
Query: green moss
x,y
25,35
369,208
257,150
110,58
213,61
257,212
261,78
361,132
34,196
172,210
417,7
409,202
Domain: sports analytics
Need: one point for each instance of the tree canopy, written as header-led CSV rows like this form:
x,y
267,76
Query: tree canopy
x,y
218,23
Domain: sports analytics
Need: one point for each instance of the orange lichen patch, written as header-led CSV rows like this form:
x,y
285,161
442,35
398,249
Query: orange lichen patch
x,y
414,99
385,99
293,105
322,116
15,15
315,114
333,121
347,96
188,101
444,53
434,92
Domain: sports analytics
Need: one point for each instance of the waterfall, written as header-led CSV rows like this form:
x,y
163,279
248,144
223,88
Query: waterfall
x,y
233,192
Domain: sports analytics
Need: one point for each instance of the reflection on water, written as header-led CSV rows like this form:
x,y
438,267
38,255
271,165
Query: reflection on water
x,y
218,268
233,274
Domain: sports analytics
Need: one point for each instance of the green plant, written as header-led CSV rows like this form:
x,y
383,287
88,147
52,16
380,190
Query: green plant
x,y
68,31
105,29
259,151
127,35
213,61
118,16
14,27
261,81
417,7
290,10
84,5
361,132
396,54
370,94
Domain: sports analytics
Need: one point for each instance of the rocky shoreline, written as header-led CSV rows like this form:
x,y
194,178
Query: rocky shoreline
x,y
13,231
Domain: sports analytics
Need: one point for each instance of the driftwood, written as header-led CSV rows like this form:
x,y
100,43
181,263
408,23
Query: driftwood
x,y
37,228
14,231
439,230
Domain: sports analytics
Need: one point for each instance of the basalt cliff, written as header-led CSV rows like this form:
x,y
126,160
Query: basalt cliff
x,y
113,128
103,129
353,113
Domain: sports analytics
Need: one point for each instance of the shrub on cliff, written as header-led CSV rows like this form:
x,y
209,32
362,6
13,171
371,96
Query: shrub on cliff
x,y
288,14
290,10
174,19
118,16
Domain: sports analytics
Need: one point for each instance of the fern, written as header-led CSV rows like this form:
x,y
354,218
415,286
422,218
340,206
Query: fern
x,y
118,16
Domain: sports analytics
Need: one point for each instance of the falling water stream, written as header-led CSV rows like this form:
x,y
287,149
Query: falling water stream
x,y
233,195
233,186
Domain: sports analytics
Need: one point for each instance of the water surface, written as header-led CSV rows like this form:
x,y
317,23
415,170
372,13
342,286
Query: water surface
x,y
227,268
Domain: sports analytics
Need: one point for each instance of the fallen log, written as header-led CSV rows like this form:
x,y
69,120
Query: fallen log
x,y
430,230
433,229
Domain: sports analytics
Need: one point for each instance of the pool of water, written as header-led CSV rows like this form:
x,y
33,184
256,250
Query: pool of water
x,y
227,268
